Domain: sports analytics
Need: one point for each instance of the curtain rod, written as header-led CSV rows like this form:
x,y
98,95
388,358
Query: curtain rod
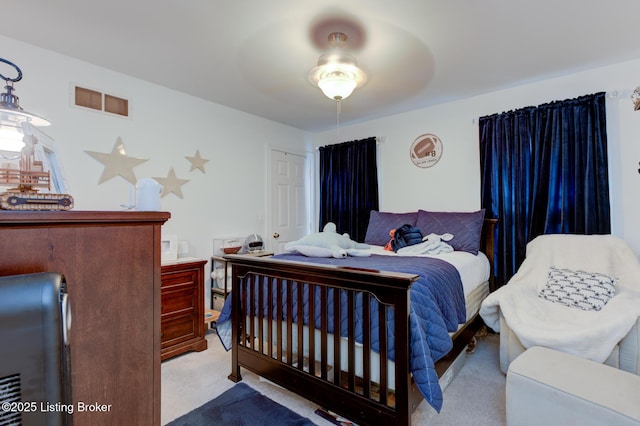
x,y
379,141
613,94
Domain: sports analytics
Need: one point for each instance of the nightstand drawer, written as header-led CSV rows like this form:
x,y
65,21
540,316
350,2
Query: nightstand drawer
x,y
178,329
178,299
180,277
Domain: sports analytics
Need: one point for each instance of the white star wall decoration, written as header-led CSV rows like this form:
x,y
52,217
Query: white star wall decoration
x,y
117,163
171,183
197,162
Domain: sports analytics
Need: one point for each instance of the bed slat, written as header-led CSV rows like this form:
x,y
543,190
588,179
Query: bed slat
x,y
366,345
312,340
261,317
270,315
323,334
300,349
351,333
337,313
289,324
384,373
280,310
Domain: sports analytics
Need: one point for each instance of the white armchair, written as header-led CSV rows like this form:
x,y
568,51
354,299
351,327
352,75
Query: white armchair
x,y
524,319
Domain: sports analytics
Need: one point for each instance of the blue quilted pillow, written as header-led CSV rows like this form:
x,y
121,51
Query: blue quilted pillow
x,y
380,223
466,227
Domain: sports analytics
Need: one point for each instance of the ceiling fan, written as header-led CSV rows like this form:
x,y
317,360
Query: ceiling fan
x,y
337,73
283,61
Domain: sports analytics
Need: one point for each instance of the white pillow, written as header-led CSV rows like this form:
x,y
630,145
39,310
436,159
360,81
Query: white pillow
x,y
589,291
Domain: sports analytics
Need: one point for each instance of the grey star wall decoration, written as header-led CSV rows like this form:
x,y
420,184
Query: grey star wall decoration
x,y
171,184
117,163
197,162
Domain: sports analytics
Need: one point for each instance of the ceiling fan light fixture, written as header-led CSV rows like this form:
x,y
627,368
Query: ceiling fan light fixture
x,y
337,85
337,73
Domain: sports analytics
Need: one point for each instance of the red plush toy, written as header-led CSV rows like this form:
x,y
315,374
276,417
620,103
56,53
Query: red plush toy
x,y
388,245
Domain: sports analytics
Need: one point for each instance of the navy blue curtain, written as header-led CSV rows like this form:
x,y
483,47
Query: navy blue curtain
x,y
348,186
544,171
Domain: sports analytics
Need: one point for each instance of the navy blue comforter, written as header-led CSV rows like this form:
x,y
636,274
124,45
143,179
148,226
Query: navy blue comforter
x,y
437,308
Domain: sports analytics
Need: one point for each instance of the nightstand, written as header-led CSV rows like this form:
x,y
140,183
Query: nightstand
x,y
182,321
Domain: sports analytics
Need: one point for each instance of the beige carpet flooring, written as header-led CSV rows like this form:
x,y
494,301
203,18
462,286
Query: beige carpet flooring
x,y
474,397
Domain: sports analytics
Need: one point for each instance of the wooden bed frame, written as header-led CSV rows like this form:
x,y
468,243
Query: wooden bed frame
x,y
353,397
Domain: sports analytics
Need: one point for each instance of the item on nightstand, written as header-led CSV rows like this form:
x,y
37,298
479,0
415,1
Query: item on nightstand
x,y
254,243
231,246
228,245
219,276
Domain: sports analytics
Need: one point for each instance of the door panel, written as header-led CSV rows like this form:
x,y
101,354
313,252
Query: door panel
x,y
288,198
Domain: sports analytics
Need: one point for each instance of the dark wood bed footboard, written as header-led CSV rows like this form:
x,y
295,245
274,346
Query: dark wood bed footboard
x,y
269,340
313,367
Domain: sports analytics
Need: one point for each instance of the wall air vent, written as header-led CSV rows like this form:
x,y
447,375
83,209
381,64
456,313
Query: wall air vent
x,y
99,101
10,394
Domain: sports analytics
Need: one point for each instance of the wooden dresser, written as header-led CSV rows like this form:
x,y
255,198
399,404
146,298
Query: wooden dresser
x,y
111,262
182,322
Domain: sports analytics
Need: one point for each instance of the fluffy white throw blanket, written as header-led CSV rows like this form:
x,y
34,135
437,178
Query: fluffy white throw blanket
x,y
431,244
536,321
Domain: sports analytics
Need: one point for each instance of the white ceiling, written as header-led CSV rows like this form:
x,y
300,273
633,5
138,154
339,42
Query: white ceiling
x,y
254,56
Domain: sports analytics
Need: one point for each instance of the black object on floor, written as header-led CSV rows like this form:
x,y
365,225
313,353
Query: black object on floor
x,y
241,405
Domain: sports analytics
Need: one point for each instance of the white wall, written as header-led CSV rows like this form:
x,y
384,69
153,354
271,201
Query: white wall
x,y
164,126
454,182
229,199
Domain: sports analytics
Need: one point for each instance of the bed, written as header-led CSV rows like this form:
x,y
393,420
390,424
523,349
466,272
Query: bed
x,y
283,314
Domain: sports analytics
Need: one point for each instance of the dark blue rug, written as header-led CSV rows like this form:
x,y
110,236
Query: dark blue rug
x,y
239,406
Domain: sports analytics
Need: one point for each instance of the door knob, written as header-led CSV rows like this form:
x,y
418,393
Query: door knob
x,y
276,235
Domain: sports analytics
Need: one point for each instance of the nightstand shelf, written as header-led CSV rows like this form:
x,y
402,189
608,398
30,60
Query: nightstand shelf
x,y
211,315
220,281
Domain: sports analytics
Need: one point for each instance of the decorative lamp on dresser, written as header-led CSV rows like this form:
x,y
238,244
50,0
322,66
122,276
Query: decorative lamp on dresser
x,y
111,263
182,307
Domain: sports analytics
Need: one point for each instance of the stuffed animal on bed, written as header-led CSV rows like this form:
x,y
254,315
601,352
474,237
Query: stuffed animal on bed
x,y
327,243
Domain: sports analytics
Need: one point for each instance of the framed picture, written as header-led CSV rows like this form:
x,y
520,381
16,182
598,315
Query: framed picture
x,y
169,247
